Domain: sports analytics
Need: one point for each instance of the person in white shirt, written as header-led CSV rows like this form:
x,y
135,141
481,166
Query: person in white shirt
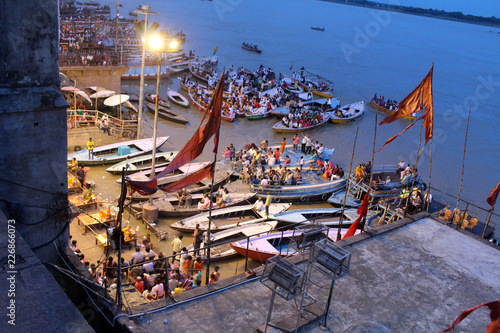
x,y
264,182
401,167
258,205
138,256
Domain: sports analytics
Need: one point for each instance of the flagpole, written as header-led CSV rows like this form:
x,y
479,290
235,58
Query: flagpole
x,y
347,186
371,171
207,245
463,165
430,172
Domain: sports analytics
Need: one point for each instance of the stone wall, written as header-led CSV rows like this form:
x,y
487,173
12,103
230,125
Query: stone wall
x,y
33,180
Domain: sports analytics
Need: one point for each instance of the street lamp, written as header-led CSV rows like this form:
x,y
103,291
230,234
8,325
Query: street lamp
x,y
155,43
146,11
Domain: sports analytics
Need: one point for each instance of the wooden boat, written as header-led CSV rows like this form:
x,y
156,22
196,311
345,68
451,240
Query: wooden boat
x,y
169,206
177,98
318,85
294,159
327,217
281,128
167,114
261,248
220,243
143,162
281,111
220,178
358,188
250,47
290,85
117,152
259,113
381,108
302,192
194,69
227,218
178,174
337,199
224,116
189,84
318,28
151,99
348,112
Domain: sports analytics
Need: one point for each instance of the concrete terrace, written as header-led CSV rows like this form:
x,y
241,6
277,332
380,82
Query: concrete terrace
x,y
407,276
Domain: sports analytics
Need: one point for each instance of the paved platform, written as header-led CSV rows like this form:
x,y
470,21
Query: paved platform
x,y
407,277
38,304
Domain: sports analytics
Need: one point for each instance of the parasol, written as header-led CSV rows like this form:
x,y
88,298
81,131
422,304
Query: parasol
x,y
103,94
116,100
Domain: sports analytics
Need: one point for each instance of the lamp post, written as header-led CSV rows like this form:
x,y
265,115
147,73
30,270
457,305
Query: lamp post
x,y
146,11
156,43
117,18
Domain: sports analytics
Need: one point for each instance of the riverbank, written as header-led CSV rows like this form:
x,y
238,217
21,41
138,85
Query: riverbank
x,y
432,13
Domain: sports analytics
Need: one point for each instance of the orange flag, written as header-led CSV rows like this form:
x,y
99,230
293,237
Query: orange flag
x,y
492,198
419,98
362,211
493,327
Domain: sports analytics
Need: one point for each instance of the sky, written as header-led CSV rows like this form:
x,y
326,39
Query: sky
x,y
486,8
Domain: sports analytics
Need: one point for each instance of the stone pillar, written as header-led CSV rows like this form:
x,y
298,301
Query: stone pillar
x,y
33,179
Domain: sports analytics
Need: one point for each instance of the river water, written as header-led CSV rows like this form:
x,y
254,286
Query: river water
x,y
363,51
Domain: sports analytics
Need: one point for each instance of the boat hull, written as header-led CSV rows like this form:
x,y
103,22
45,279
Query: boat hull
x,y
352,115
109,154
168,114
381,108
280,128
177,98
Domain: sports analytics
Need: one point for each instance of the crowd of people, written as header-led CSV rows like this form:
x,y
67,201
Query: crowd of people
x,y
389,104
152,274
264,166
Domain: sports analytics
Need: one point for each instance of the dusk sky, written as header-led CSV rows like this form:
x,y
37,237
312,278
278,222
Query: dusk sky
x,y
486,8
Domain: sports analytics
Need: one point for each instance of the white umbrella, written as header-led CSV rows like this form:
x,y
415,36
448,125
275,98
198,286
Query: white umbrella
x,y
116,100
103,94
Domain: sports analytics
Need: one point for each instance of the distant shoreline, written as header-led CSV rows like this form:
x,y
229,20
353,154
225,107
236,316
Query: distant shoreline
x,y
433,13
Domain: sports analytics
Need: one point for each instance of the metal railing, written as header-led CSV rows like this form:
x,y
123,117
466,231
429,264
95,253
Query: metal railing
x,y
92,118
468,210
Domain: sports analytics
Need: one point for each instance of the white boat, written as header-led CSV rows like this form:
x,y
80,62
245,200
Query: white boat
x,y
117,152
337,199
303,192
348,112
177,98
227,218
220,243
143,162
327,217
178,174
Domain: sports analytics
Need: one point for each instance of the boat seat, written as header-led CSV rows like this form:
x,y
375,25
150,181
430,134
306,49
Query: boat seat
x,y
465,223
472,224
446,215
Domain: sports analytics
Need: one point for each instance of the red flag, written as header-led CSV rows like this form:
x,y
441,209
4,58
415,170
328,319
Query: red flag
x,y
194,147
419,98
492,198
193,178
493,327
362,211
